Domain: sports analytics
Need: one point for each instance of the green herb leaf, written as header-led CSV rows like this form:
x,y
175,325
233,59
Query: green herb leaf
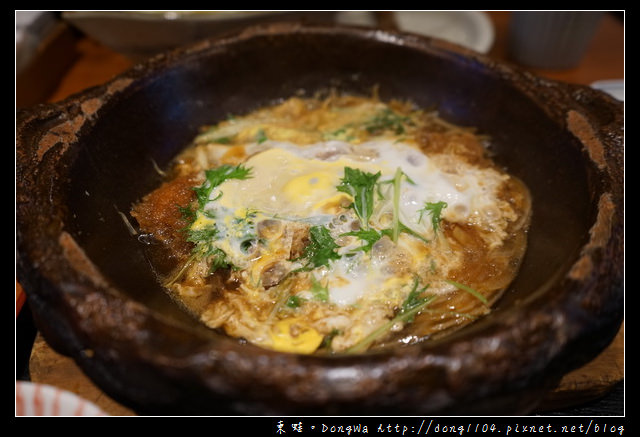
x,y
320,292
360,185
469,290
403,228
203,235
369,236
223,140
218,260
414,301
261,136
217,176
326,341
204,239
182,270
411,306
387,119
397,226
294,301
397,180
320,250
343,133
188,213
435,211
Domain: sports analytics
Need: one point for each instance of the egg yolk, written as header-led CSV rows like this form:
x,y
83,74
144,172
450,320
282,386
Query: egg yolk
x,y
295,336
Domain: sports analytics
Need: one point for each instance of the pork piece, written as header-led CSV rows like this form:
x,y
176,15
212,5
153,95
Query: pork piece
x,y
287,241
159,216
462,144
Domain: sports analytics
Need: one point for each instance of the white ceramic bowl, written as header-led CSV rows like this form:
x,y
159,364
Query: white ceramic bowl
x,y
34,399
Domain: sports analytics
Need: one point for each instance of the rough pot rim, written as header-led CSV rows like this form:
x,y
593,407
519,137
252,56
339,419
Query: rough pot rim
x,y
56,273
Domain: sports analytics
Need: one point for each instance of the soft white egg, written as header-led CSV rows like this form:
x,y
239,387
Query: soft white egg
x,y
299,183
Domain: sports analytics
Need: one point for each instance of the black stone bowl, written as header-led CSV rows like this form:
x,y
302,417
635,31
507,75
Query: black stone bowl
x,y
83,162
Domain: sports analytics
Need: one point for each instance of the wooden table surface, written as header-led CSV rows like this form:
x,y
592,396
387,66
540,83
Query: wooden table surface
x,y
94,64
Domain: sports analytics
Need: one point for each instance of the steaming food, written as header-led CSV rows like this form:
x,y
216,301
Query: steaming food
x,y
336,225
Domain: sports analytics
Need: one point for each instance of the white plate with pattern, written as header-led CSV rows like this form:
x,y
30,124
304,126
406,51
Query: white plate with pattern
x,y
34,399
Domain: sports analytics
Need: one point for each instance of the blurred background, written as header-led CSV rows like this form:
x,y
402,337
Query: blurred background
x,y
59,53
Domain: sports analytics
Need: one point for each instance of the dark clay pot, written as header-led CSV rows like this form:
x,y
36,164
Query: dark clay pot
x,y
82,163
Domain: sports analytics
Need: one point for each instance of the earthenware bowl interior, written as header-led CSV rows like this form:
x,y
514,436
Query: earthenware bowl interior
x,y
140,130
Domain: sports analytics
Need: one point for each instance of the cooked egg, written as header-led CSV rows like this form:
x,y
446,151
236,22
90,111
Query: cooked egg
x,y
312,263
292,182
295,335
